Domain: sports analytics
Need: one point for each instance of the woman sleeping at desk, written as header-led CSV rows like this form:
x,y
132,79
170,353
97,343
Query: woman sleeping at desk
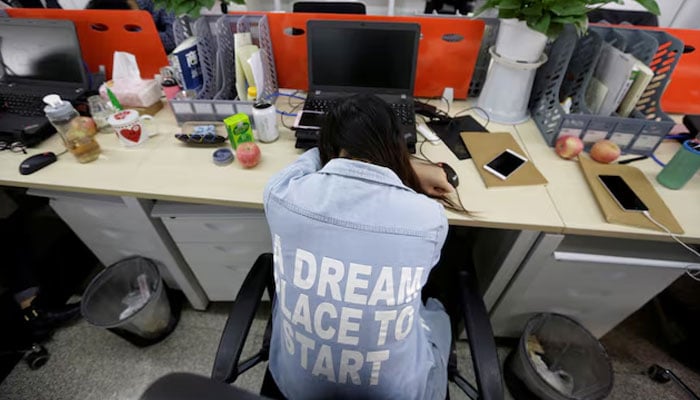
x,y
355,238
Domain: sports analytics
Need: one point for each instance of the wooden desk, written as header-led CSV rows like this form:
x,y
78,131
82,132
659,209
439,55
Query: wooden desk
x,y
578,208
165,169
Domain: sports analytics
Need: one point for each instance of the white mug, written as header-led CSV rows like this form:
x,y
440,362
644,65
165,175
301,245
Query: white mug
x,y
129,127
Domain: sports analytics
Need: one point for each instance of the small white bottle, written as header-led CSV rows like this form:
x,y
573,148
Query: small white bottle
x,y
265,118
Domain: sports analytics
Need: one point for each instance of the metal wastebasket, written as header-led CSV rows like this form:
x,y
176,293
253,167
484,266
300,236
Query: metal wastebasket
x,y
558,359
130,299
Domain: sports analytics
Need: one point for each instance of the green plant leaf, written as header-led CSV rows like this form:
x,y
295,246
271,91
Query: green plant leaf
x,y
532,10
510,4
542,24
650,5
566,8
505,14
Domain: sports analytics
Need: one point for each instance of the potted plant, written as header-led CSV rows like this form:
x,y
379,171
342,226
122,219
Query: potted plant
x,y
526,25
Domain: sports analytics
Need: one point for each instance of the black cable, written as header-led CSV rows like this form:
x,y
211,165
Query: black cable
x,y
488,119
294,108
446,201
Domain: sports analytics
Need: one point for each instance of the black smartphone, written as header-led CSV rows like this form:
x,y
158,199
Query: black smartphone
x,y
309,119
623,194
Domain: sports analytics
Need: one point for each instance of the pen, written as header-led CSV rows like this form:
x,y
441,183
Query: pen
x,y
633,160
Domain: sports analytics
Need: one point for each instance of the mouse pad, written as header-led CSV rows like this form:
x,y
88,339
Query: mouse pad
x,y
449,134
641,187
485,147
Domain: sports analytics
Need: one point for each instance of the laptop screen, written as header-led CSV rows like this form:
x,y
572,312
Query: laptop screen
x,y
359,56
40,50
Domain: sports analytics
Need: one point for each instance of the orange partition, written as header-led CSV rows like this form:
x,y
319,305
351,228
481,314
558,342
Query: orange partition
x,y
682,96
102,32
447,51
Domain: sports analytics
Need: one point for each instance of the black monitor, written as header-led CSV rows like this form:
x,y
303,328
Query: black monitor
x,y
40,50
361,56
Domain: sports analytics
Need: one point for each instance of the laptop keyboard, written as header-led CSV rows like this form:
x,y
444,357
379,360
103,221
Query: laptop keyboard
x,y
403,111
22,104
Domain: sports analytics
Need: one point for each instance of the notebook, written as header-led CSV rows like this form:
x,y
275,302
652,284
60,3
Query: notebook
x,y
351,57
37,57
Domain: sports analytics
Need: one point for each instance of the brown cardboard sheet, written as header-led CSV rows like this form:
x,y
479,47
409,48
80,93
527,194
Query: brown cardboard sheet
x,y
639,184
484,147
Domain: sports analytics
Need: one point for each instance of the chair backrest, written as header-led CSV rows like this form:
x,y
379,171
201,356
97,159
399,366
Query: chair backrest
x,y
330,7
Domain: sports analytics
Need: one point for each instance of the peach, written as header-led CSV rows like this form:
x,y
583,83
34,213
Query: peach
x,y
568,146
605,151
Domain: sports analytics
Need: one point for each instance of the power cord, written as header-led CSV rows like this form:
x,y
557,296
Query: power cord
x,y
488,119
695,274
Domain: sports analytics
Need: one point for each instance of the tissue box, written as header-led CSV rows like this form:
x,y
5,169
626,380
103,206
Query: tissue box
x,y
133,93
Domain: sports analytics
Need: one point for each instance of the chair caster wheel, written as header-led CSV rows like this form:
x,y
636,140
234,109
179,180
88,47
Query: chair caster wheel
x,y
37,357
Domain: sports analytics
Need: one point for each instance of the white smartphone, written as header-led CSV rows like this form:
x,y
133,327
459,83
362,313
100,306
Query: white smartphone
x,y
505,164
309,119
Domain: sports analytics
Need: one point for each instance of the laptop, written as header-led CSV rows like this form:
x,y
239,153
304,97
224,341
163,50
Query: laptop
x,y
351,57
37,57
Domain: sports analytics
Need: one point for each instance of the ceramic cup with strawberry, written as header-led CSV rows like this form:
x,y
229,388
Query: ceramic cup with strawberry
x,y
129,127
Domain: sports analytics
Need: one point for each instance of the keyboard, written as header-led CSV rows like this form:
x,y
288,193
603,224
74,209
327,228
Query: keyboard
x,y
22,104
403,111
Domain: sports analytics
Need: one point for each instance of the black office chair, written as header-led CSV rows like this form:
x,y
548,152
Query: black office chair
x,y
228,366
329,7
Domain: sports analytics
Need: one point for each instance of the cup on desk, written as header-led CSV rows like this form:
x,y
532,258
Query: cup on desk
x,y
130,127
684,164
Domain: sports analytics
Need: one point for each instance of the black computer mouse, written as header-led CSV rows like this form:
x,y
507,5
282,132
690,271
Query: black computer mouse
x,y
36,162
451,174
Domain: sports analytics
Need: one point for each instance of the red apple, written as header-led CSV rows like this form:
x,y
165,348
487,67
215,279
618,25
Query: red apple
x,y
85,124
568,146
605,151
248,154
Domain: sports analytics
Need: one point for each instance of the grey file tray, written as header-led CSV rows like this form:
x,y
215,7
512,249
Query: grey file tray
x,y
568,71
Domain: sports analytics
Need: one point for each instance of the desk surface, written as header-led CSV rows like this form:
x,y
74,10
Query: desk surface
x,y
165,169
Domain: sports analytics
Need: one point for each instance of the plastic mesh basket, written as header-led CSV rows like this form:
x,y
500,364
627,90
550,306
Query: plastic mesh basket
x,y
568,73
484,58
215,101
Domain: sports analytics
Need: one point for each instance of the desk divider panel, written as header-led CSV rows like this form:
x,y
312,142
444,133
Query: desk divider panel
x,y
447,51
682,95
102,32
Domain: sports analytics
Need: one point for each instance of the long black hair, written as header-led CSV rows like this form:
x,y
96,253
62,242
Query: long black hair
x,y
365,127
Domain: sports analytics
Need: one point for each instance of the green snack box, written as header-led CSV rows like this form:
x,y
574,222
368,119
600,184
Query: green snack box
x,y
239,129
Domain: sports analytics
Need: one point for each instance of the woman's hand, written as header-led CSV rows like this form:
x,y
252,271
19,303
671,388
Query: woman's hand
x,y
432,178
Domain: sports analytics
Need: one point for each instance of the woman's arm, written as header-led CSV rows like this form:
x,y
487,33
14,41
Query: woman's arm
x,y
306,164
432,178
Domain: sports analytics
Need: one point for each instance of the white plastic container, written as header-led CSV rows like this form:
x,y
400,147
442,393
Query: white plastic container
x,y
507,89
265,118
517,42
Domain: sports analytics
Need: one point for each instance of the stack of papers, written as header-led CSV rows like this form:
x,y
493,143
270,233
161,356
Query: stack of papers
x,y
618,82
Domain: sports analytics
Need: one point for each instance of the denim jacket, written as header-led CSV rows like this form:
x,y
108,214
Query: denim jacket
x,y
353,247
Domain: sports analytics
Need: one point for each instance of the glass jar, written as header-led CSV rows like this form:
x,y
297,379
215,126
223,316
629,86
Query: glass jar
x,y
71,127
100,111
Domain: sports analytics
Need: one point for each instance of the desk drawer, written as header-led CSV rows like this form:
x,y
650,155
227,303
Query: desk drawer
x,y
245,228
222,267
90,215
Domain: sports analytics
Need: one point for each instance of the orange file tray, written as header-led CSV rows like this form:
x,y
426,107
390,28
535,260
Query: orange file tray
x,y
102,32
447,51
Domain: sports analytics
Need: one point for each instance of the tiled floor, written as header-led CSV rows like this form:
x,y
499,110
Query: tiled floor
x,y
91,363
